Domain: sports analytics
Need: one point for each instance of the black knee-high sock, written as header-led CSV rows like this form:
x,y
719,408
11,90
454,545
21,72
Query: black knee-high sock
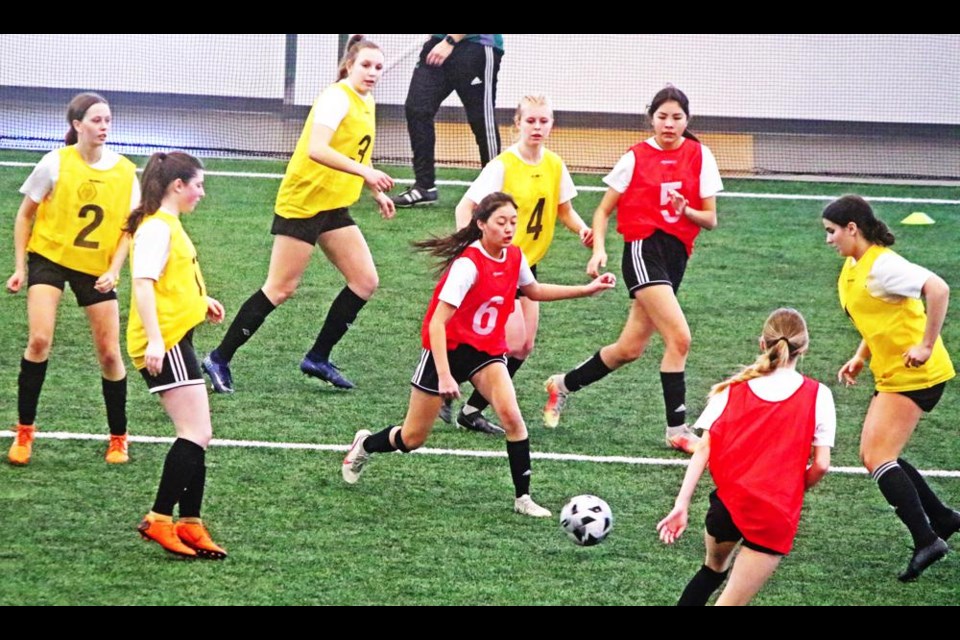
x,y
932,505
380,442
192,498
701,587
896,487
586,373
476,399
341,315
674,397
519,455
115,397
29,384
251,315
180,466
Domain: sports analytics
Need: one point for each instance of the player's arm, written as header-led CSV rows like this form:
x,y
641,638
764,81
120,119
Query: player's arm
x,y
447,387
675,523
26,214
818,467
705,217
572,221
601,218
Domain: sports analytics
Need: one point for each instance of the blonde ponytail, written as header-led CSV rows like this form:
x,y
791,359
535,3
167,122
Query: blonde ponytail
x,y
784,338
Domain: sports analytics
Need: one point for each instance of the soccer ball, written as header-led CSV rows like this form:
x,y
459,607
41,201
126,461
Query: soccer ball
x,y
586,519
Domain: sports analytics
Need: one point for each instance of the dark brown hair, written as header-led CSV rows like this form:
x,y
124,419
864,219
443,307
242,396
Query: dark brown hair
x,y
77,109
667,94
162,169
449,248
855,209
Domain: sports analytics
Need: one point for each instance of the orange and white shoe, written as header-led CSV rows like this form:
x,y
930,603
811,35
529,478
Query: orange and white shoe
x,y
163,533
193,534
22,446
556,401
682,438
117,450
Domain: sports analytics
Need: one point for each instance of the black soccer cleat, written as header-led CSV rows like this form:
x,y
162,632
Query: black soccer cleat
x,y
476,422
923,558
948,526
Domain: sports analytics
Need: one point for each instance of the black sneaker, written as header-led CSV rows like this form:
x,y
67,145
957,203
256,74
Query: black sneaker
x,y
415,196
326,371
947,527
923,558
446,411
476,422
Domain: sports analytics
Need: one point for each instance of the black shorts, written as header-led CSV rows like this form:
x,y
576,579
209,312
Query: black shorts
x,y
40,270
720,525
534,270
310,229
927,398
659,259
180,368
465,361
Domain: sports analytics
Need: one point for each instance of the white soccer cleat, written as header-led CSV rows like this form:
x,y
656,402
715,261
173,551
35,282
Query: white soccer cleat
x,y
356,458
526,506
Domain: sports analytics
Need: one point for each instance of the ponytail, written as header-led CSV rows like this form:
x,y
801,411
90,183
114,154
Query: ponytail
x,y
784,337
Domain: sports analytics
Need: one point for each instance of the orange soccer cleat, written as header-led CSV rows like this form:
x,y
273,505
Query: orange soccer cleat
x,y
117,450
22,445
193,534
164,534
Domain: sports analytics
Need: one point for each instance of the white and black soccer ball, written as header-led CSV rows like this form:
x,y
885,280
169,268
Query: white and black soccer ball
x,y
586,519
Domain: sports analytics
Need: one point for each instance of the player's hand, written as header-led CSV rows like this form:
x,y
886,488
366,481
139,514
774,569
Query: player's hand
x,y
16,281
387,208
586,237
601,283
448,387
378,181
153,357
850,370
107,282
673,526
916,356
597,261
215,311
678,201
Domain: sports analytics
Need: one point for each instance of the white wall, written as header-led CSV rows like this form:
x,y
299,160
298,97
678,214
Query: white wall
x,y
247,65
871,78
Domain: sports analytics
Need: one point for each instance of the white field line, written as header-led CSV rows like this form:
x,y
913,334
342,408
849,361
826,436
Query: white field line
x,y
462,183
464,453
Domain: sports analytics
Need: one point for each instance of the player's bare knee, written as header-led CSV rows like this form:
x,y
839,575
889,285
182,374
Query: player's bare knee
x,y
679,345
365,287
512,422
110,359
38,347
625,354
278,293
